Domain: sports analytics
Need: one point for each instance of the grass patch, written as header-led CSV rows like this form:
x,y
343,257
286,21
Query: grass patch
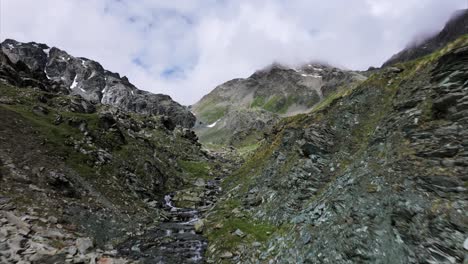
x,y
248,150
253,230
196,169
210,111
258,102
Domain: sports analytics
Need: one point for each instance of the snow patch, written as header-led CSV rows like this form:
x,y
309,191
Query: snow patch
x,y
92,75
82,90
214,124
46,51
133,92
10,46
83,62
45,71
312,75
75,83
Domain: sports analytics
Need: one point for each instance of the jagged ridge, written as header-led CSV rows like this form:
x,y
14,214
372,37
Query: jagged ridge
x,y
54,69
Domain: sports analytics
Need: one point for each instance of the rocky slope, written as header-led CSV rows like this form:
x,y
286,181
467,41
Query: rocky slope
x,y
84,172
52,67
253,105
374,174
456,27
93,170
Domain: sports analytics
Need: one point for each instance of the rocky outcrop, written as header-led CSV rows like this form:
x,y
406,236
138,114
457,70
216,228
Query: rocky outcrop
x,y
456,27
239,127
270,93
52,69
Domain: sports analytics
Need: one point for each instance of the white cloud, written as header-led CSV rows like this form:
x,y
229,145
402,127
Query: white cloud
x,y
206,42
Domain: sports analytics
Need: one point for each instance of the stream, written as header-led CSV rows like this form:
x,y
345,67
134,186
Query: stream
x,y
175,239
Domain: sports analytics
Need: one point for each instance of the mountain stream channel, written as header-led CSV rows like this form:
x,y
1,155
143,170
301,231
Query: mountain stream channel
x,y
175,239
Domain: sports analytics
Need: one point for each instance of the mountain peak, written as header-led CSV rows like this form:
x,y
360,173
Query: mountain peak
x,y
88,79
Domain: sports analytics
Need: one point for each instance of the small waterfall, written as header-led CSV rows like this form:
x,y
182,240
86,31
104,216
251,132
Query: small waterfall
x,y
168,201
174,240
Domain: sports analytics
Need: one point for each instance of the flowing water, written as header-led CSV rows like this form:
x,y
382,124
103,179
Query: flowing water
x,y
175,240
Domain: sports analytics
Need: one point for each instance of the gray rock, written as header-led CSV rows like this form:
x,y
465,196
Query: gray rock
x,y
200,182
239,233
12,218
52,219
84,244
226,255
40,111
199,226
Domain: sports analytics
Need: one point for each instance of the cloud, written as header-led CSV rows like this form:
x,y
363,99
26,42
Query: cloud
x,y
185,48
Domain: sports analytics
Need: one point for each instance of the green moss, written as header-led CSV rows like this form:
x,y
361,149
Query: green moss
x,y
258,102
57,136
211,110
196,169
279,104
247,150
253,230
214,136
213,114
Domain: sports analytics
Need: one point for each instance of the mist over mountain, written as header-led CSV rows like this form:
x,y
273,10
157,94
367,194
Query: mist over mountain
x,y
186,48
303,160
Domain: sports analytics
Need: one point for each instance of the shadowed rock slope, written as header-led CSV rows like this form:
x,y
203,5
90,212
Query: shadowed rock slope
x,y
52,68
239,111
374,174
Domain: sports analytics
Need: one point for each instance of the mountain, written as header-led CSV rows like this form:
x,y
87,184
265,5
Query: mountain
x,y
376,174
90,166
323,166
55,68
455,28
239,111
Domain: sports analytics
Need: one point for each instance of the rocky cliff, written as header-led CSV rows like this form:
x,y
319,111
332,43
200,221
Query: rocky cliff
x,y
455,27
374,174
250,106
52,68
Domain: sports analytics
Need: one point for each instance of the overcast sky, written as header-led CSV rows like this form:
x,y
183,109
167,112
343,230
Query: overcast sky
x,y
185,48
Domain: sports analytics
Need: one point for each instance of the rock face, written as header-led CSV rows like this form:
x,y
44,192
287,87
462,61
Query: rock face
x,y
376,175
54,69
456,27
240,106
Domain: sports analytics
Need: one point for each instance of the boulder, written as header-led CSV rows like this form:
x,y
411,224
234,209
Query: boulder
x,y
83,244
